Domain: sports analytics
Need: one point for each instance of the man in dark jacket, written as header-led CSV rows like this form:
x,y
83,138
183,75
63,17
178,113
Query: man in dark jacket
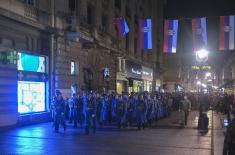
x,y
229,140
59,110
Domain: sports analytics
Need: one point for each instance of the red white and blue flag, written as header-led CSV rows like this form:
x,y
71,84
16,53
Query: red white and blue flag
x,y
121,25
226,33
145,31
170,36
199,33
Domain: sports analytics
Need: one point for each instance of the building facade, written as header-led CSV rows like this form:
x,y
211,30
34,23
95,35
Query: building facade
x,y
69,45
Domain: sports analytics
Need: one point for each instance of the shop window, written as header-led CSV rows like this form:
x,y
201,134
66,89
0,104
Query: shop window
x,y
31,97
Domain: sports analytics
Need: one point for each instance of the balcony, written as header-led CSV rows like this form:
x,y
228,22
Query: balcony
x,y
16,10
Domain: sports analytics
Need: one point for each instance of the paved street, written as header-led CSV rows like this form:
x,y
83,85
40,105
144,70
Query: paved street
x,y
164,139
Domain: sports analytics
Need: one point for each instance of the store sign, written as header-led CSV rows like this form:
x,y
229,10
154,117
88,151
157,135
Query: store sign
x,y
134,70
31,63
8,57
201,67
29,76
147,73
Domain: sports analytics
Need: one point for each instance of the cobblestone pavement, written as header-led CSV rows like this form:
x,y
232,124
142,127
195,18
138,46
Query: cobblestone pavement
x,y
166,138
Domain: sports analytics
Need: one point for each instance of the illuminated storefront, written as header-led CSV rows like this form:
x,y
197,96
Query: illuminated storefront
x,y
32,83
147,76
134,77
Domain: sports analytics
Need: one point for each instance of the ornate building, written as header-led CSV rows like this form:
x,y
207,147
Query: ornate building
x,y
67,45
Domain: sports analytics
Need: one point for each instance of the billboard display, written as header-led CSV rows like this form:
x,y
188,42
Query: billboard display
x,y
31,63
31,97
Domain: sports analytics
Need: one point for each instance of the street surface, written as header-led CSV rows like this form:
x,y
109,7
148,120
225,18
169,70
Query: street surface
x,y
167,138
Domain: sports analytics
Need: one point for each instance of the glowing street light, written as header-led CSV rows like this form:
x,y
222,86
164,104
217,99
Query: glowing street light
x,y
199,83
208,74
202,55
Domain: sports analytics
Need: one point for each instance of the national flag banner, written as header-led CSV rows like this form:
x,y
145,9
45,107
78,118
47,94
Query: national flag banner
x,y
199,33
121,25
145,32
170,36
226,33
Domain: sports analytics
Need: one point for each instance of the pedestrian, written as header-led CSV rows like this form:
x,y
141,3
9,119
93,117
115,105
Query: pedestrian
x,y
229,140
185,107
59,109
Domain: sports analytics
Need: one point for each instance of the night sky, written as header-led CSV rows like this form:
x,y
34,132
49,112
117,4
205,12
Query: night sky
x,y
184,10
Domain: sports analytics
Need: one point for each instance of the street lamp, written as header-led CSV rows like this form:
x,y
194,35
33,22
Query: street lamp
x,y
208,74
199,83
202,55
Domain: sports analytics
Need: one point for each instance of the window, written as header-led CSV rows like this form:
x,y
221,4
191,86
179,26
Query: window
x,y
72,5
104,22
29,2
135,45
89,14
118,4
72,67
127,42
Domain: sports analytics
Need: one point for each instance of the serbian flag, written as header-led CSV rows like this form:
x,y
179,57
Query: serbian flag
x,y
226,33
145,32
170,36
199,33
121,25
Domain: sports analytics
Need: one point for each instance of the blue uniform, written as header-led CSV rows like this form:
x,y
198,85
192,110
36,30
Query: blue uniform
x,y
90,114
120,112
113,107
59,109
141,111
104,110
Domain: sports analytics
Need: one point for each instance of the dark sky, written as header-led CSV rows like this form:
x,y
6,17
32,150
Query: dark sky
x,y
197,8
184,10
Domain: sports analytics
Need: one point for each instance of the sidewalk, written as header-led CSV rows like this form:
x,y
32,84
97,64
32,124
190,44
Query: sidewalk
x,y
216,130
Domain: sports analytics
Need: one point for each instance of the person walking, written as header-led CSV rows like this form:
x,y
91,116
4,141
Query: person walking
x,y
185,107
229,140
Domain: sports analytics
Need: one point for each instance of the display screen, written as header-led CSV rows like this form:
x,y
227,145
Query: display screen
x,y
31,97
32,63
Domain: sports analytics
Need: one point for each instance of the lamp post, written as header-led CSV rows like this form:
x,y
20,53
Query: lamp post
x,y
201,58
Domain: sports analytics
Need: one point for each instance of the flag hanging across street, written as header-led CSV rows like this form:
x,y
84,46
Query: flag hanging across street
x,y
226,33
170,36
199,33
145,32
121,25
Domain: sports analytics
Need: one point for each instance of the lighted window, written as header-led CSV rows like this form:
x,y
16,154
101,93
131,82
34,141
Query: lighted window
x,y
31,97
72,68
